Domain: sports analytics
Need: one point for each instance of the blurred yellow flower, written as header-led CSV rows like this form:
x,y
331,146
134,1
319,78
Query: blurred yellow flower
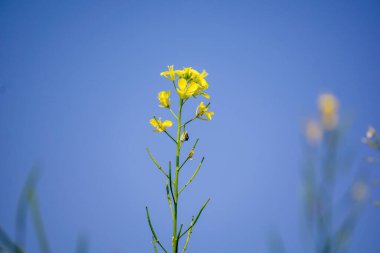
x,y
185,89
314,132
328,107
159,125
163,97
170,74
203,110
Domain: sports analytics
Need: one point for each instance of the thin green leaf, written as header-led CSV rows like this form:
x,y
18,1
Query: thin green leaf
x,y
152,230
196,218
156,163
193,176
188,235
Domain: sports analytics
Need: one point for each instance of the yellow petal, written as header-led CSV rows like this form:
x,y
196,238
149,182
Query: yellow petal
x,y
203,84
153,122
209,115
193,87
205,95
204,74
167,123
202,107
181,93
182,84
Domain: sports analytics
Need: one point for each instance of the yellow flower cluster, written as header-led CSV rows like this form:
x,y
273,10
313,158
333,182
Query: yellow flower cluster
x,y
188,82
328,107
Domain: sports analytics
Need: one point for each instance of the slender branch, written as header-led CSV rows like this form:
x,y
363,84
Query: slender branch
x,y
170,136
154,245
196,218
179,233
168,197
152,229
180,229
188,235
184,162
156,163
193,176
187,122
193,148
175,116
171,183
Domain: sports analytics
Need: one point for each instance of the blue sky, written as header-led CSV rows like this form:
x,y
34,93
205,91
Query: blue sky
x,y
79,81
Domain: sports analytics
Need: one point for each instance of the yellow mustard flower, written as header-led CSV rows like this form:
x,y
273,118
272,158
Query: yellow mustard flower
x,y
159,125
203,110
170,74
163,97
328,106
186,90
202,81
187,73
193,76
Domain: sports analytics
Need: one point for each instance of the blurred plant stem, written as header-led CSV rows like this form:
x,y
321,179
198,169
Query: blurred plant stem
x,y
323,178
28,200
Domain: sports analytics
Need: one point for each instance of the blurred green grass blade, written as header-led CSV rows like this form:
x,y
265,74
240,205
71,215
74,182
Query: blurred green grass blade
x,y
22,205
82,245
7,243
38,223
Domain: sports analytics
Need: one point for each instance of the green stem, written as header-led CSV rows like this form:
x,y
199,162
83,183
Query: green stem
x,y
193,148
175,116
187,122
175,236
